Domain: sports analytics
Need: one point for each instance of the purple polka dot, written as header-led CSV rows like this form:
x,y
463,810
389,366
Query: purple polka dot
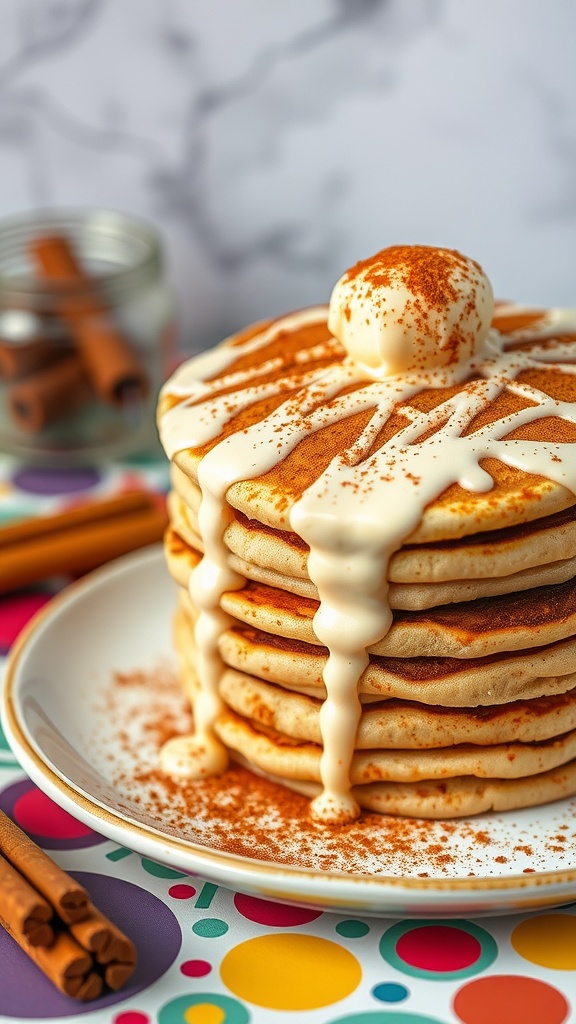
x,y
55,480
26,992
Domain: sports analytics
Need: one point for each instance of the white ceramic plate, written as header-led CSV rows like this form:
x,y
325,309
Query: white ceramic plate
x,y
57,715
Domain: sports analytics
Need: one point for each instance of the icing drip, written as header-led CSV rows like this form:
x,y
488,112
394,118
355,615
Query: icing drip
x,y
361,508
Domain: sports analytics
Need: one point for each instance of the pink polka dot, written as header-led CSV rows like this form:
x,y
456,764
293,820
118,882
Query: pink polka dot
x,y
182,892
36,813
15,613
276,915
131,1017
195,968
438,948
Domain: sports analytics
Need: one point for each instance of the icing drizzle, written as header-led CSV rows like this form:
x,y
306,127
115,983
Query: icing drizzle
x,y
362,507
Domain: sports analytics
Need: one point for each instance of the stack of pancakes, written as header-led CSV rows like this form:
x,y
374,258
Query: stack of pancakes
x,y
467,700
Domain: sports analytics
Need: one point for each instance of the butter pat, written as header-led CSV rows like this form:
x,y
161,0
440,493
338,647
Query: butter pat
x,y
411,309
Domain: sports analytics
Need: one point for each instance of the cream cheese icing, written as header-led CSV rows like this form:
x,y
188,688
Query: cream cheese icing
x,y
365,503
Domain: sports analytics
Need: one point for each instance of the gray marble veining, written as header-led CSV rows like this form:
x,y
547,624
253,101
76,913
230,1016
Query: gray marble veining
x,y
274,144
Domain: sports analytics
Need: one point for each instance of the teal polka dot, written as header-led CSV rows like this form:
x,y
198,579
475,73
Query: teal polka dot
x,y
6,756
385,1017
210,927
175,1011
153,868
352,929
390,992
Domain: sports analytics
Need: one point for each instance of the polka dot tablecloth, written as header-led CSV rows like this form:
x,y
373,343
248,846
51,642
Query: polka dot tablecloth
x,y
207,955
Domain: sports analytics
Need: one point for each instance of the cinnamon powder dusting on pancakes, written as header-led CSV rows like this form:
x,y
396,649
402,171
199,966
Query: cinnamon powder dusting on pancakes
x,y
427,273
254,817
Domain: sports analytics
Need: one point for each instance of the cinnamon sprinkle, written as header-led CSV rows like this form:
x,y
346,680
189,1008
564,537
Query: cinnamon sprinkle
x,y
243,814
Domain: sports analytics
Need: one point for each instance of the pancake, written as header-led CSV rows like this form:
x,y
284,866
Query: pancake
x,y
373,529
270,559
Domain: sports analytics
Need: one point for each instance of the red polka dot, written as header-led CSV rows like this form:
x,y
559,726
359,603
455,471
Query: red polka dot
x,y
15,613
182,892
276,915
195,968
510,999
36,813
131,1017
438,948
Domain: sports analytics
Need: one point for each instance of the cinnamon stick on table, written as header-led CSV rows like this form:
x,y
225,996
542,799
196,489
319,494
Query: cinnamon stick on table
x,y
77,947
65,963
79,539
29,913
69,899
109,945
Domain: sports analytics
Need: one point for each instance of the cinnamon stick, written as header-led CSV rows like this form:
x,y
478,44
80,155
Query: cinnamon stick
x,y
65,963
109,946
22,909
84,950
20,359
79,539
49,394
69,899
111,361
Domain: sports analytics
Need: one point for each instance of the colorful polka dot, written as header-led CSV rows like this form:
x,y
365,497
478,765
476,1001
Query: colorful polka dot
x,y
438,948
15,612
548,940
385,1017
45,822
443,951
131,1017
204,1013
35,812
203,1008
182,892
160,870
390,992
352,929
510,999
7,759
210,928
26,993
195,968
275,915
274,971
55,480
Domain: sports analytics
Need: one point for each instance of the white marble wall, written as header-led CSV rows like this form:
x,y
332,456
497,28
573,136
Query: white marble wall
x,y
275,143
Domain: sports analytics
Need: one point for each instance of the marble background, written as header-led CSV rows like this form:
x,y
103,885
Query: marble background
x,y
274,144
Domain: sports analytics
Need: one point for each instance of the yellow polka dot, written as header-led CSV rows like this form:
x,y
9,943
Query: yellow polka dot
x,y
286,971
204,1013
549,941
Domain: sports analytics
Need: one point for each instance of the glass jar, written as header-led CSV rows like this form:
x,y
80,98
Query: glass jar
x,y
87,326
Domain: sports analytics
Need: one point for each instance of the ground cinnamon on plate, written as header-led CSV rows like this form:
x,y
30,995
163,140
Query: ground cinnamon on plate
x,y
246,815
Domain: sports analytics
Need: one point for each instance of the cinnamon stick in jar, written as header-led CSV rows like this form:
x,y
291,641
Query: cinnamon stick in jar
x,y
28,343
111,361
49,395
